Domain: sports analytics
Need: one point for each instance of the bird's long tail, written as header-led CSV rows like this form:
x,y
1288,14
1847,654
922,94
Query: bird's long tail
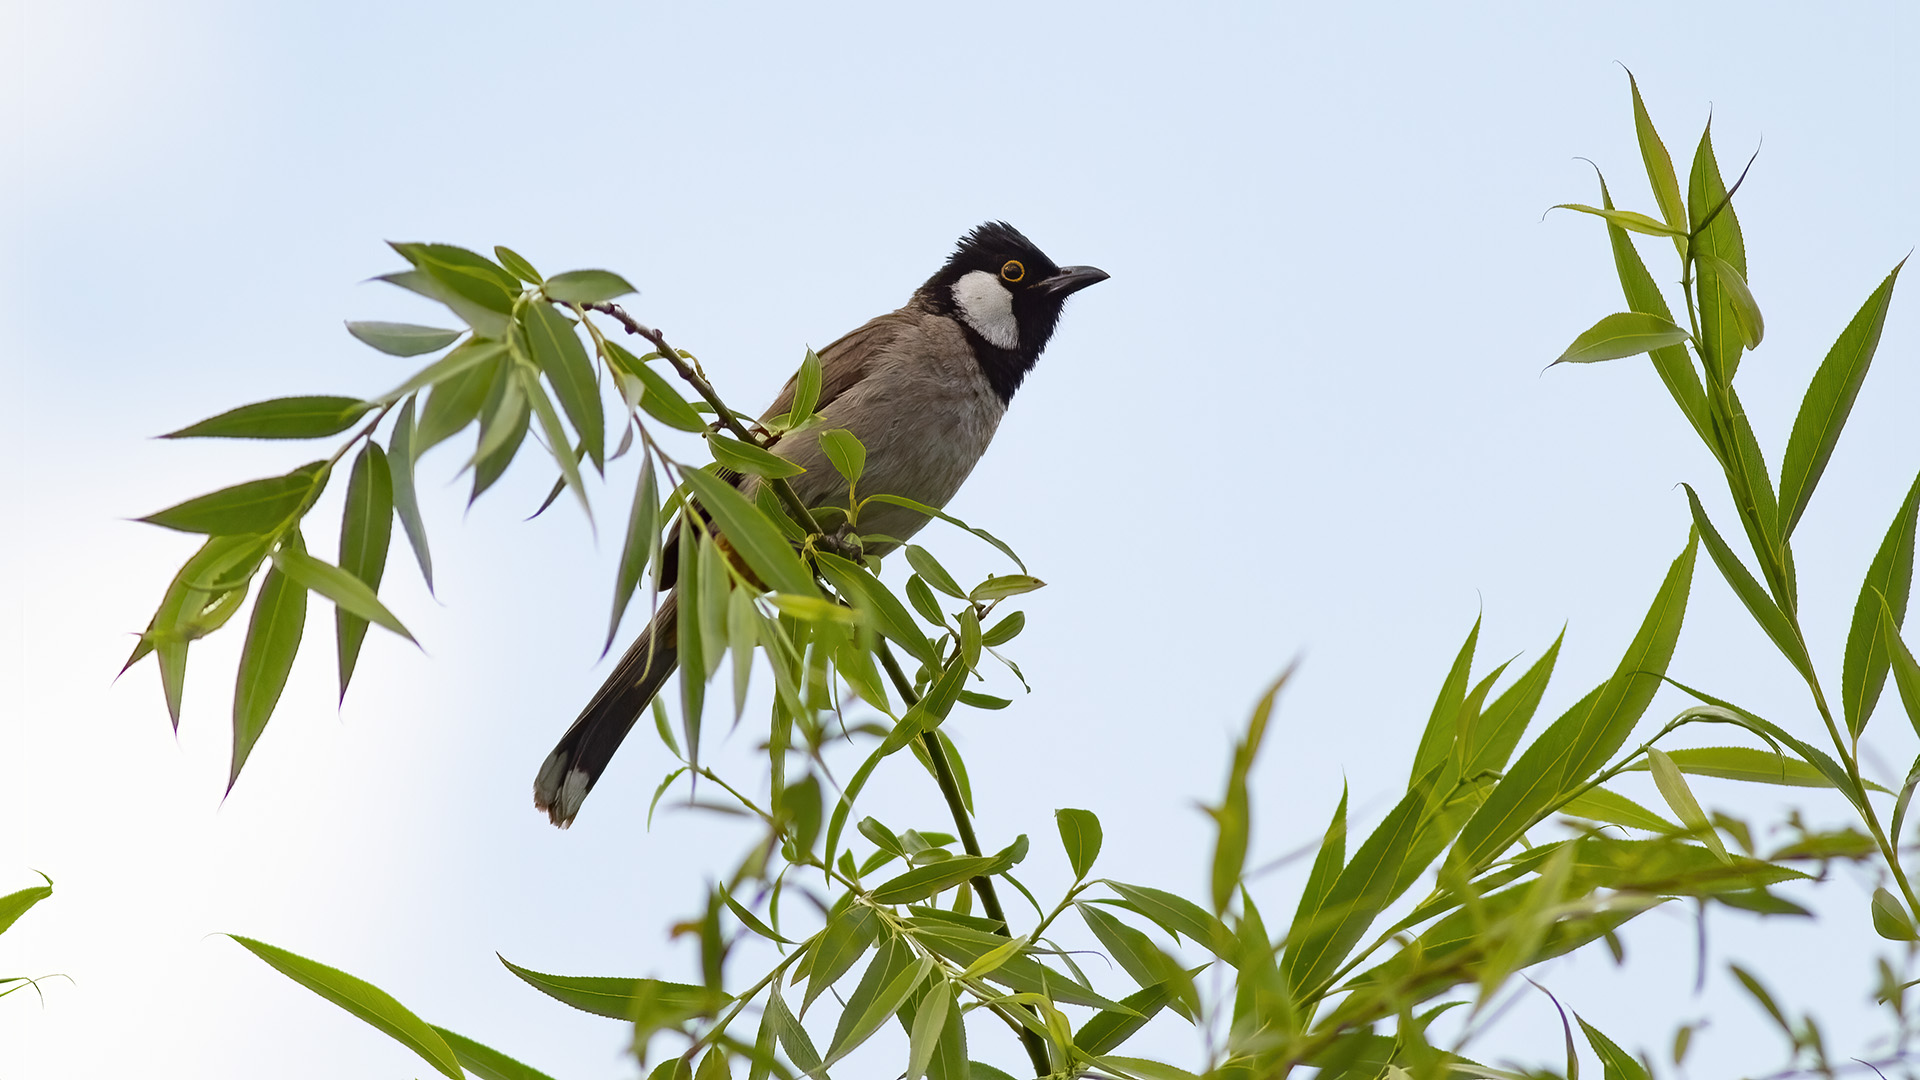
x,y
582,755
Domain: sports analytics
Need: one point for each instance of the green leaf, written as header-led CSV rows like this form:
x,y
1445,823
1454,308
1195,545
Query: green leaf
x,y
693,683
1624,333
929,1020
1600,804
516,265
1830,397
347,591
748,532
1779,629
928,567
1627,219
1616,1064
504,421
362,999
400,451
935,512
468,276
1660,175
658,396
1890,920
1746,311
643,539
848,456
1743,763
1003,586
1578,743
793,1038
1671,362
850,932
744,457
1311,912
366,531
563,360
484,1061
273,637
1080,835
1111,1028
249,509
1906,672
402,339
1005,630
280,418
1234,815
1178,915
15,904
1720,341
922,882
806,390
1139,957
614,997
1864,672
557,439
460,380
1443,724
1363,889
1673,788
893,975
875,601
586,286
965,945
1492,737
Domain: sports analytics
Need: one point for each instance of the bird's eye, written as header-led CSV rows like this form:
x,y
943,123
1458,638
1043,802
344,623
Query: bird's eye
x,y
1013,271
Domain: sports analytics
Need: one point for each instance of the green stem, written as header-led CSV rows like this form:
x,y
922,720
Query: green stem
x,y
963,824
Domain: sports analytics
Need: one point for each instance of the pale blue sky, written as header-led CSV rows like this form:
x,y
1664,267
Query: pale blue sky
x,y
1306,417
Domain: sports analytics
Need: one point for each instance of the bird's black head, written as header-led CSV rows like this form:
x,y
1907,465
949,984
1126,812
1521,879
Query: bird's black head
x,y
1007,295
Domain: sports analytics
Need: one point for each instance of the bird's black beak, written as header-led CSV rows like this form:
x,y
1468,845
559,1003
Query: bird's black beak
x,y
1071,279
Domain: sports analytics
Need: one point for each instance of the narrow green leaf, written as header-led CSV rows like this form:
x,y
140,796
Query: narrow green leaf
x,y
15,904
1311,912
743,623
485,1062
658,396
935,512
1660,174
1587,734
1906,672
1358,895
402,339
1627,219
1743,763
892,976
460,381
1005,630
1673,788
614,998
850,932
642,540
929,1020
557,440
1830,397
806,389
252,508
1497,731
347,591
400,452
1178,915
563,360
1080,834
504,422
1436,740
849,458
1139,957
1864,673
363,1000
1624,333
472,277
280,418
936,575
273,637
922,882
516,265
876,601
485,320
1002,586
693,665
1760,605
743,457
1759,994
748,532
1600,804
1108,1030
366,531
1746,310
1615,1063
1720,341
1672,362
586,286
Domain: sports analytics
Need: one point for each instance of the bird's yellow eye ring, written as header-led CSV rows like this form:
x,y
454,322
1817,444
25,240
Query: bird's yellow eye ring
x,y
1013,271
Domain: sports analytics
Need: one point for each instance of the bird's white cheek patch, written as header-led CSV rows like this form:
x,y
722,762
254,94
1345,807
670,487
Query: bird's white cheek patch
x,y
987,306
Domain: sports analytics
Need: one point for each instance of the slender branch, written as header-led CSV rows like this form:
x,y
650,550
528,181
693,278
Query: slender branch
x,y
963,824
726,416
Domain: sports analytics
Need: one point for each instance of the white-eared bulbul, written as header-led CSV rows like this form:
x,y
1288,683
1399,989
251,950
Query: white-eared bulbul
x,y
923,389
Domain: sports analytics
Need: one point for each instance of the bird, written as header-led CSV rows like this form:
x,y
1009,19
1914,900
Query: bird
x,y
923,388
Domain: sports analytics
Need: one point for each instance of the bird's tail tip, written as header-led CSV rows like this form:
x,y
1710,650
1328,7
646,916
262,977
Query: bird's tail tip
x,y
559,789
